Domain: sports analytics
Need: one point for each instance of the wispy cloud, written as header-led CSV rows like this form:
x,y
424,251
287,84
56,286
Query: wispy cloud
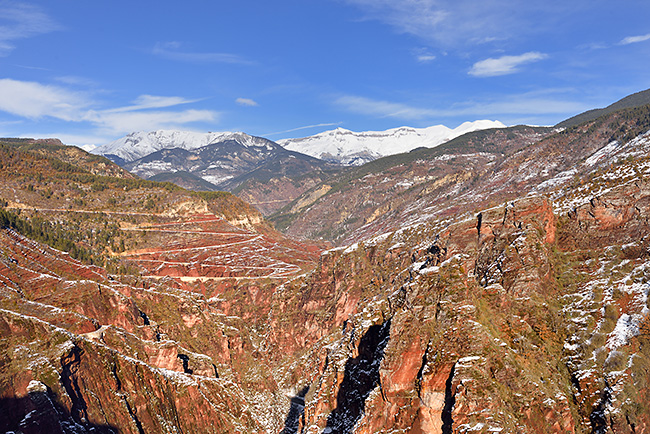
x,y
172,51
384,109
504,65
35,101
20,21
246,102
635,39
541,104
448,23
306,127
126,122
423,55
145,102
425,58
519,105
77,81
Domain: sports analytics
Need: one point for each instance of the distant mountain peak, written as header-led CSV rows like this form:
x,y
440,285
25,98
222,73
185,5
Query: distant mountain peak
x,y
347,147
141,143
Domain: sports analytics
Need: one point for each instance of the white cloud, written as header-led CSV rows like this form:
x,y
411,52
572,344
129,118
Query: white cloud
x,y
246,102
458,24
635,39
383,109
83,141
171,51
20,21
144,102
126,122
35,101
504,65
426,58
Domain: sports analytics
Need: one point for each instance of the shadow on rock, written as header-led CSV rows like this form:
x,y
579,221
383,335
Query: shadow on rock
x,y
296,413
37,414
360,378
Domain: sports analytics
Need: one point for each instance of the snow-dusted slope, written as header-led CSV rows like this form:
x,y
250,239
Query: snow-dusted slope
x,y
139,144
351,148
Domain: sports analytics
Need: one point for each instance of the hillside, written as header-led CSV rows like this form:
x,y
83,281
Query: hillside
x,y
631,101
496,283
480,169
260,171
185,180
392,191
113,216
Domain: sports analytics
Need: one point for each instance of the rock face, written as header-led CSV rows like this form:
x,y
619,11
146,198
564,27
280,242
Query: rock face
x,y
526,312
497,326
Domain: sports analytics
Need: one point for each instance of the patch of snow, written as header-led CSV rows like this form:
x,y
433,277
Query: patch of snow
x,y
216,179
351,248
627,327
429,270
469,428
571,347
556,181
36,386
600,154
378,239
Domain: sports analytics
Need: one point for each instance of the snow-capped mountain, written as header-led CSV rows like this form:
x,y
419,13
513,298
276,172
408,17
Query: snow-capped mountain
x,y
140,144
351,148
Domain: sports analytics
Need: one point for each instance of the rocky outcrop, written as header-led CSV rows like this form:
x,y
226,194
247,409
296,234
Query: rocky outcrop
x,y
483,317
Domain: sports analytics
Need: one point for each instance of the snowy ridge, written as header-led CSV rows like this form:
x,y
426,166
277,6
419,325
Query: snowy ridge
x,y
351,148
139,144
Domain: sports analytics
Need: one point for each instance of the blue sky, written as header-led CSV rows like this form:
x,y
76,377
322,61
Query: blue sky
x,y
89,72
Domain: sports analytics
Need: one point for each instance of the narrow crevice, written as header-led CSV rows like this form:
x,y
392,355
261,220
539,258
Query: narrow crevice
x,y
631,424
134,416
186,363
479,222
118,383
450,401
421,370
360,378
598,417
70,366
144,317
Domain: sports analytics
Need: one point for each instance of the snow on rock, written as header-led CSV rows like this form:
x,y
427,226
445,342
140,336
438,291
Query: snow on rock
x,y
352,148
139,144
36,386
602,153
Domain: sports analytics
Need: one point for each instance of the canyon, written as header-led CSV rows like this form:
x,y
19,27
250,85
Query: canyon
x,y
497,283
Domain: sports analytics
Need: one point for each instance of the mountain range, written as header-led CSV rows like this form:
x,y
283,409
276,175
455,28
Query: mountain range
x,y
349,148
497,282
266,174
